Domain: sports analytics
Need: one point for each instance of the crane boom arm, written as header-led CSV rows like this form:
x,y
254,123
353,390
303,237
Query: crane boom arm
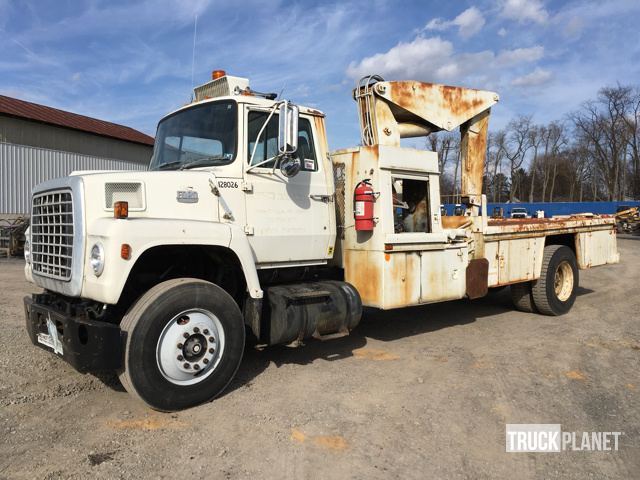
x,y
393,110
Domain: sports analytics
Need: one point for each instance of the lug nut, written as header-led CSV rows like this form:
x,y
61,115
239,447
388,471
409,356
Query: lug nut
x,y
205,331
211,339
205,360
180,358
180,345
196,329
196,367
186,365
185,335
211,350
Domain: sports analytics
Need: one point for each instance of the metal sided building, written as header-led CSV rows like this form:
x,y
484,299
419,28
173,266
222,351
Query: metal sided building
x,y
38,143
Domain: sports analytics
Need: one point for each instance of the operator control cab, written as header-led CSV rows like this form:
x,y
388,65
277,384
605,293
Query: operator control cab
x,y
276,195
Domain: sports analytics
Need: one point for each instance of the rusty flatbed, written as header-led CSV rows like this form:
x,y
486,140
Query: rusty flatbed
x,y
548,226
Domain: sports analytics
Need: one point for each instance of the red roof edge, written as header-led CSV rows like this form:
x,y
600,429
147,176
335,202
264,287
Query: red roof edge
x,y
53,116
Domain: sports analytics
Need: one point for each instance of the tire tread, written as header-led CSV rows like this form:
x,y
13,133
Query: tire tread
x,y
522,297
539,287
130,320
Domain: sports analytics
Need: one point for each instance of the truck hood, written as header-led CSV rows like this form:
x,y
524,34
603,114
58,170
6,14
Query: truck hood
x,y
164,194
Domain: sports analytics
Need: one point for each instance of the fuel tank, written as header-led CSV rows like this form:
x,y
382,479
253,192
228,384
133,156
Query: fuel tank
x,y
323,309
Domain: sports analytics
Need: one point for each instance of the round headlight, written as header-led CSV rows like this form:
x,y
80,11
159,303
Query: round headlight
x,y
97,259
27,251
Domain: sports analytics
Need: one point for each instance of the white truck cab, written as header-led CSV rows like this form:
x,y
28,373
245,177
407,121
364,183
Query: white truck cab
x,y
246,225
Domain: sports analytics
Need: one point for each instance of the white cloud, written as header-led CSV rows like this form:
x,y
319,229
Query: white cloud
x,y
468,22
524,11
536,78
434,59
502,32
520,55
405,59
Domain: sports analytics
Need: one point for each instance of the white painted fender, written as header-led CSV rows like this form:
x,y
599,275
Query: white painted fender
x,y
145,233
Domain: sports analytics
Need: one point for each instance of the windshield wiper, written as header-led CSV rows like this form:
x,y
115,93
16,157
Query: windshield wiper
x,y
205,161
164,166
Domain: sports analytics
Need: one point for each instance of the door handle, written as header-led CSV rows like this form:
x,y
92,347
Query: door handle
x,y
322,198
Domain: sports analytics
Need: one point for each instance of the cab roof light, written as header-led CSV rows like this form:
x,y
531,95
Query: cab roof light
x,y
216,74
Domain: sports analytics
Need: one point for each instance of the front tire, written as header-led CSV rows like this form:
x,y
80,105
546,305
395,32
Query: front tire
x,y
555,291
185,340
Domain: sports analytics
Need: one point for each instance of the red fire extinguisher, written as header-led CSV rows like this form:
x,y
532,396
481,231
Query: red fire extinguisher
x,y
363,199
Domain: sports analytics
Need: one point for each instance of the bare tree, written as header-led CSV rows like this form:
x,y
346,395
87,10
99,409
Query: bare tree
x,y
604,126
536,134
496,147
517,145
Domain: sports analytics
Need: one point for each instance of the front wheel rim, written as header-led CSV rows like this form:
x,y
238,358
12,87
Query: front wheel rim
x,y
563,281
190,347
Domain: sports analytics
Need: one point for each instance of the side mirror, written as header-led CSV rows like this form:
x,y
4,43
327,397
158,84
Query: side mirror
x,y
288,131
290,166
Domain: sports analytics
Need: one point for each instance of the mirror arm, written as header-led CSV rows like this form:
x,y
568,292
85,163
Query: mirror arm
x,y
259,164
255,146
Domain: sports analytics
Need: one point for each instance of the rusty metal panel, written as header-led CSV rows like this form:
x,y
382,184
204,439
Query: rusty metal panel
x,y
477,278
23,167
596,248
517,260
444,106
401,286
443,274
363,270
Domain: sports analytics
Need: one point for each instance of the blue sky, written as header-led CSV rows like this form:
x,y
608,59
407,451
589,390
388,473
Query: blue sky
x,y
130,62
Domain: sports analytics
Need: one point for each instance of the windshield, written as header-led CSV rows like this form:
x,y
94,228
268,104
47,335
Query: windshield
x,y
200,136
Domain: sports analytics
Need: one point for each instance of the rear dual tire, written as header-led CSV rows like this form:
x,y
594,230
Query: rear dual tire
x,y
185,340
554,293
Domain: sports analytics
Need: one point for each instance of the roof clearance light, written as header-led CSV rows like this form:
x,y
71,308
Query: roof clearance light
x,y
216,74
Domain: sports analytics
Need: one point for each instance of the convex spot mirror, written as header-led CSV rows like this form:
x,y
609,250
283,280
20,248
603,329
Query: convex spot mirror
x,y
288,129
290,166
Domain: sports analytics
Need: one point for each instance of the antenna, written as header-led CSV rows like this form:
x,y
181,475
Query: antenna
x,y
282,91
193,56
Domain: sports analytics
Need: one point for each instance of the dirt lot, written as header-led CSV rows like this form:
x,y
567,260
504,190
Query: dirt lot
x,y
418,393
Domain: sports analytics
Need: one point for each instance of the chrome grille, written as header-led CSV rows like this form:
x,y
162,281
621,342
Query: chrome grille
x,y
52,234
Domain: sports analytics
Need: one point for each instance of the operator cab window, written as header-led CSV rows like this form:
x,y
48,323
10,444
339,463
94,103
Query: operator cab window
x,y
410,205
268,143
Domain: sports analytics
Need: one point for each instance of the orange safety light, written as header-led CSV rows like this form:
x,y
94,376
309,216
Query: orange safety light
x,y
216,74
120,209
125,251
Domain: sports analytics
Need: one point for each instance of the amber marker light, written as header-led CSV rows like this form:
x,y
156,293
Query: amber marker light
x,y
125,251
120,209
216,74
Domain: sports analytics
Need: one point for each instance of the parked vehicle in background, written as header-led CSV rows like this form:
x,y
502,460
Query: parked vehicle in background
x,y
246,225
518,212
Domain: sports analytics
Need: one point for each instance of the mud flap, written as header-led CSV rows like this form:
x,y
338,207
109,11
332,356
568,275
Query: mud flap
x,y
477,278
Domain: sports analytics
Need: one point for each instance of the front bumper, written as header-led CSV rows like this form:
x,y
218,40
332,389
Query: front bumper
x,y
87,345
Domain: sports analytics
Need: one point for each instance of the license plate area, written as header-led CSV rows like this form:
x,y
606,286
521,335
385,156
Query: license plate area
x,y
50,331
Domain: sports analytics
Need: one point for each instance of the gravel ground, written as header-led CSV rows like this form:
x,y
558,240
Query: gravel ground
x,y
416,393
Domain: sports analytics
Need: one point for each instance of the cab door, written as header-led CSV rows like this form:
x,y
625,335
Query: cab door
x,y
288,220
